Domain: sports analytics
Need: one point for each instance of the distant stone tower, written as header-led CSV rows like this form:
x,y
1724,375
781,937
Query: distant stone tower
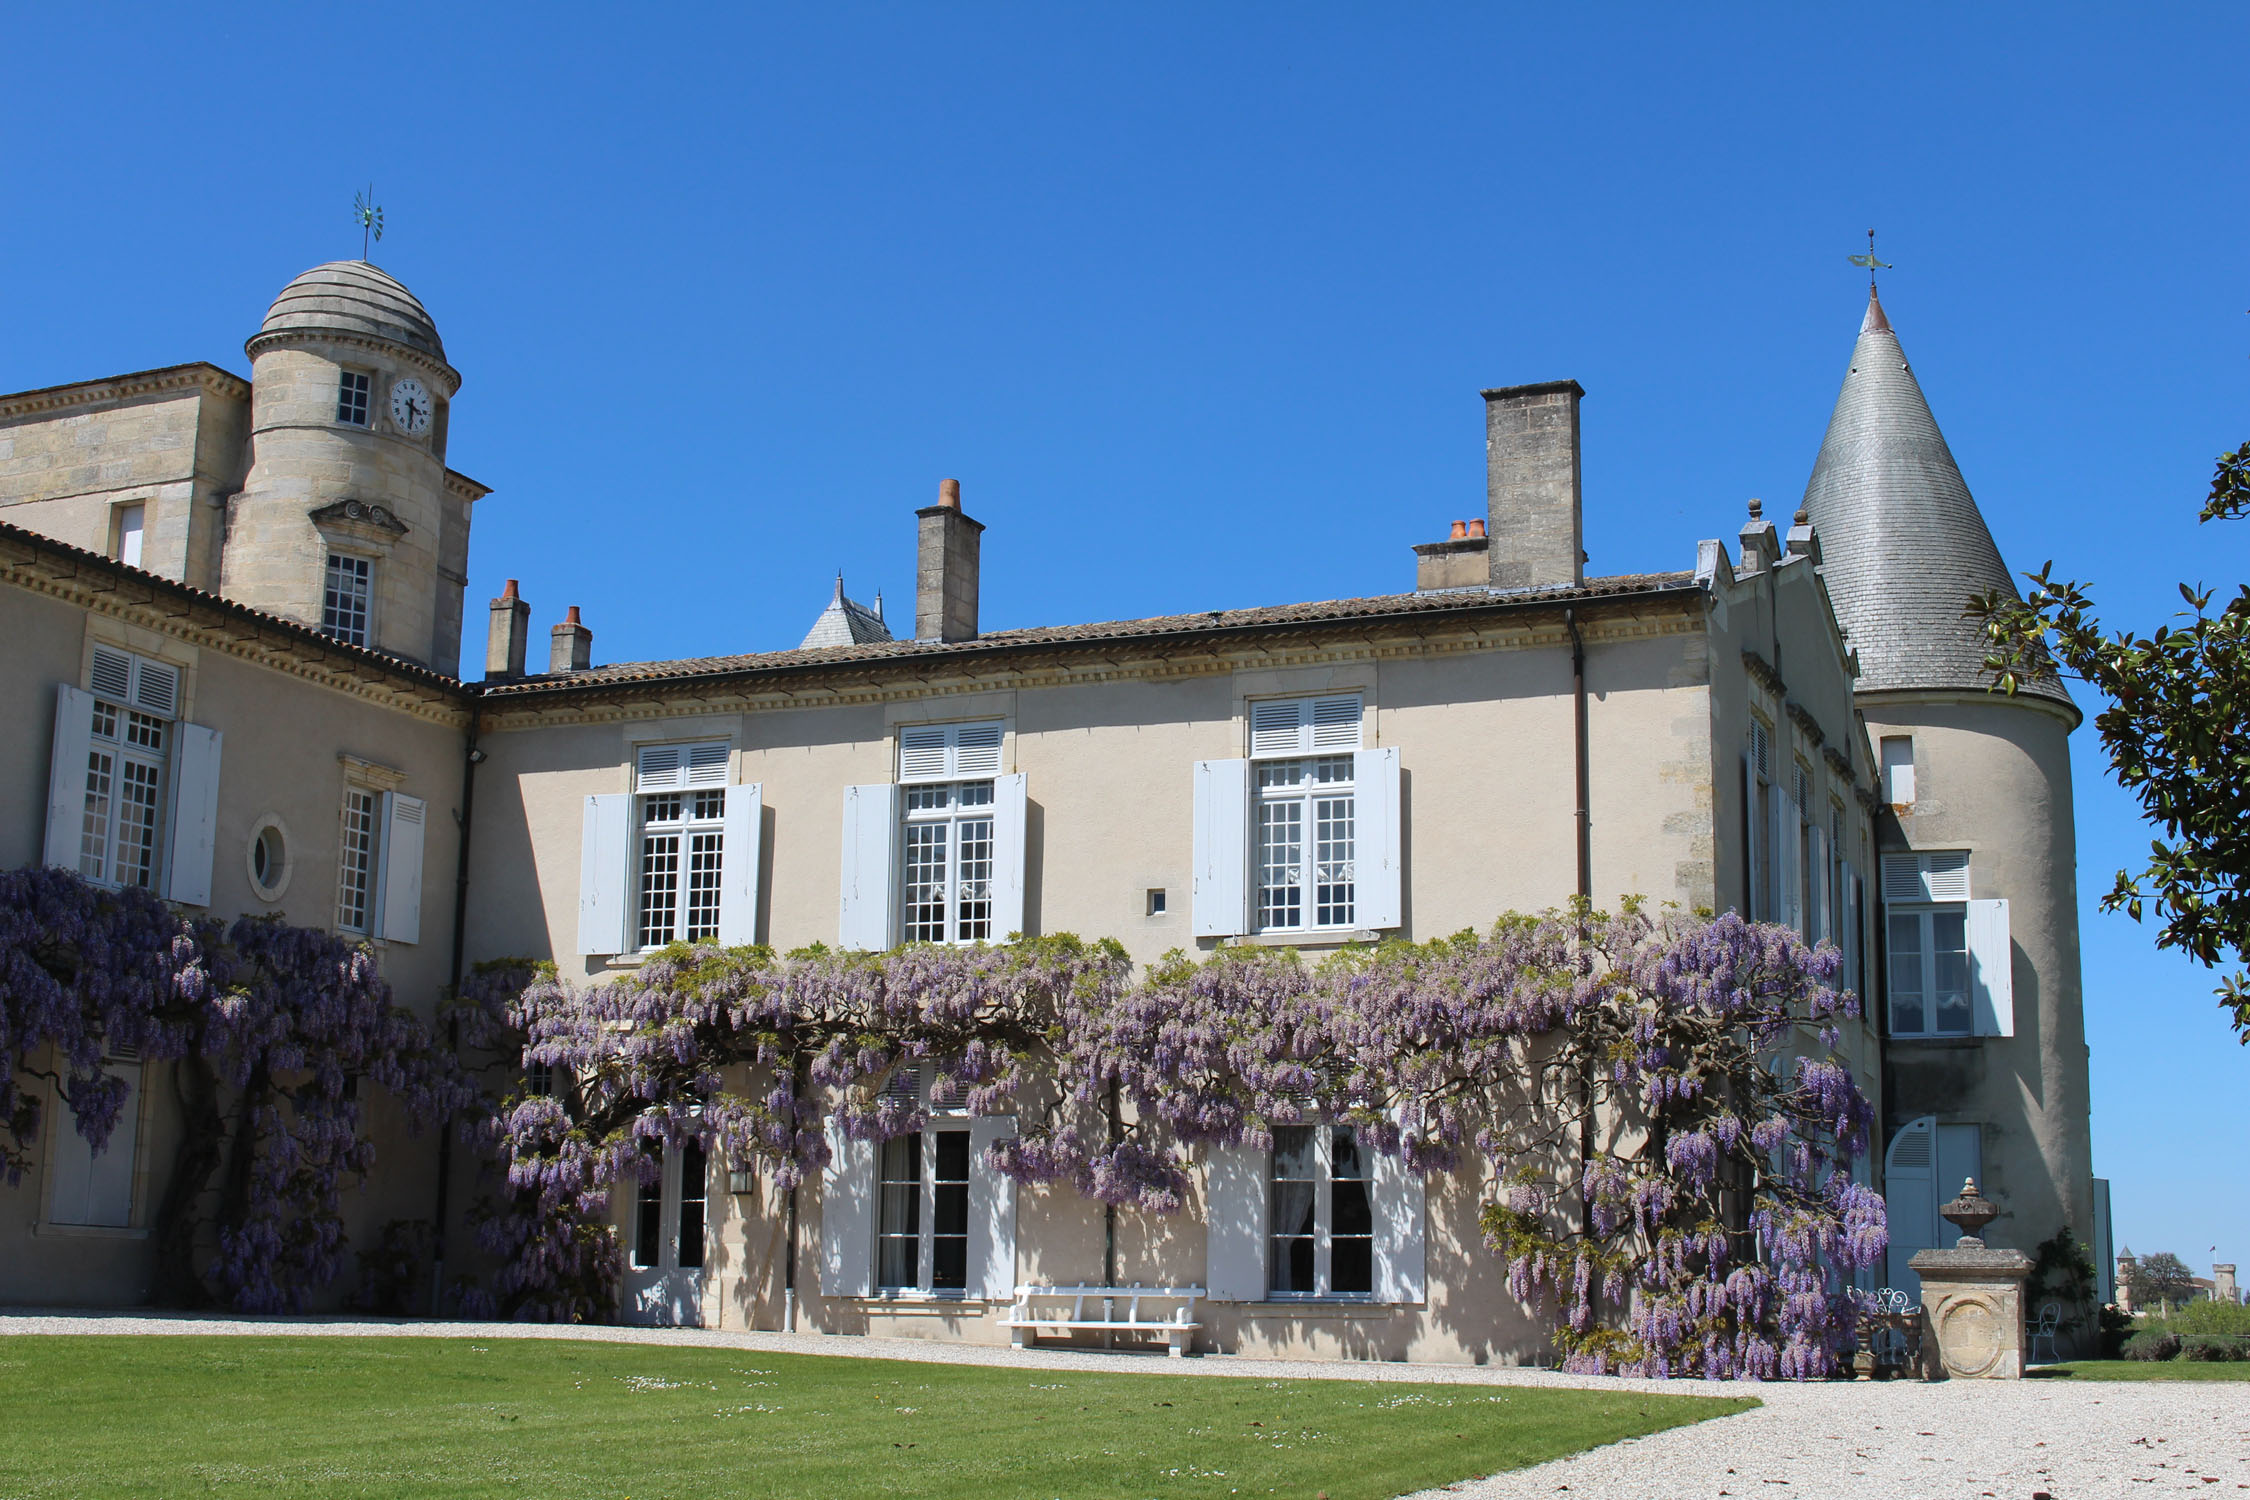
x,y
1981,1011
349,520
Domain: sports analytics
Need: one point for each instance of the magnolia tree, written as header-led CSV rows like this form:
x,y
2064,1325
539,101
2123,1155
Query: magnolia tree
x,y
272,1029
1652,1111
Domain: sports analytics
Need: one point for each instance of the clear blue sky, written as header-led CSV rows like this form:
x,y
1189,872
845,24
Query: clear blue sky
x,y
1196,302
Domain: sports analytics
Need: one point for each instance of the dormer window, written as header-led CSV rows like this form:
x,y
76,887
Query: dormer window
x,y
352,397
344,602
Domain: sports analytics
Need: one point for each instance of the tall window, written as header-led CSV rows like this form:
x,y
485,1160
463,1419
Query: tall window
x,y
648,1212
1323,1218
683,807
134,703
922,1226
945,872
1926,918
344,602
1761,823
1304,822
355,884
1898,770
132,520
351,398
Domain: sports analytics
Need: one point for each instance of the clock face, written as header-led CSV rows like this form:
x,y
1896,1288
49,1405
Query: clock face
x,y
410,407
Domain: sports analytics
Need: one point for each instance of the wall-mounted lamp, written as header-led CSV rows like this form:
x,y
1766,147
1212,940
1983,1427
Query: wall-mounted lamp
x,y
477,757
741,1181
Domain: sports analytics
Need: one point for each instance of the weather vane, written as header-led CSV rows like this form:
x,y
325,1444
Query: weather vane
x,y
369,216
1868,260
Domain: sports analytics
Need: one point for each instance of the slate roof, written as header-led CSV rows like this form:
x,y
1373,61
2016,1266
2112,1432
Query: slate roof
x,y
1903,544
1187,632
846,622
351,296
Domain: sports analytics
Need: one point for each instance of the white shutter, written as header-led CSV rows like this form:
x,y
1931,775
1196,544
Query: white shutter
x,y
195,815
1377,873
740,845
1234,1212
1335,723
156,688
1992,988
1305,726
921,753
867,915
976,751
949,752
705,765
1400,1261
604,868
1788,864
657,768
112,675
402,867
66,775
1910,1199
1221,896
847,1216
1817,915
1752,844
1008,823
992,1214
1945,874
97,1188
1277,727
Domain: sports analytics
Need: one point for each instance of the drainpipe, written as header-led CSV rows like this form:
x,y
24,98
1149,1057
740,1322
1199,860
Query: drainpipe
x,y
470,759
1109,1210
1585,833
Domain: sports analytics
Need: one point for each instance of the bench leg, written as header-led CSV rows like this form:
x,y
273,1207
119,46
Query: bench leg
x,y
1019,1337
1178,1341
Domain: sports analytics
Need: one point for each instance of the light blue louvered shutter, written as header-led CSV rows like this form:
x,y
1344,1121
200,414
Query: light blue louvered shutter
x,y
195,815
604,867
1910,1199
1400,1203
1010,807
1378,874
1992,988
992,1214
403,819
1221,895
742,836
66,777
847,1216
867,915
1753,843
1235,1215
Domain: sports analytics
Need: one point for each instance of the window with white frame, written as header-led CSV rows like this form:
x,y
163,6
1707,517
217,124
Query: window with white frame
x,y
132,521
1926,919
947,772
1322,1217
683,806
135,702
922,1212
1898,769
1304,842
345,599
351,398
685,1242
355,883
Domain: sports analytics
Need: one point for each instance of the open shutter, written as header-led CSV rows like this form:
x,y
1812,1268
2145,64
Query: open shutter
x,y
992,1214
1992,989
195,816
1818,919
1378,872
1399,1196
1234,1212
868,907
1910,1199
1752,846
603,868
93,1187
402,867
847,1216
66,776
739,848
1008,823
1788,865
1221,898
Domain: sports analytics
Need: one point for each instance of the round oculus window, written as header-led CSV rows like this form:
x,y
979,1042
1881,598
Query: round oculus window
x,y
269,858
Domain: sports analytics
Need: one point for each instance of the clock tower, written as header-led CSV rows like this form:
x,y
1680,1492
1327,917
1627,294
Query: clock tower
x,y
349,520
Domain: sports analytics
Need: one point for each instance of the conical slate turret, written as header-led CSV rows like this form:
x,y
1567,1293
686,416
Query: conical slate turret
x,y
1904,546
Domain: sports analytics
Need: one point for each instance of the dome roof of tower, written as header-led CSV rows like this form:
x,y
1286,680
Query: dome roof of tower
x,y
353,297
1903,546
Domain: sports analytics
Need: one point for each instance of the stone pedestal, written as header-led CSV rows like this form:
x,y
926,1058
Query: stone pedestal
x,y
1972,1309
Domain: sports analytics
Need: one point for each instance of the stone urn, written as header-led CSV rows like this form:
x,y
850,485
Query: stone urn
x,y
1972,1296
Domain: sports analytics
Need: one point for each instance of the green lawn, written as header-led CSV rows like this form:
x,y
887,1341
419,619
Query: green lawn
x,y
331,1417
2141,1369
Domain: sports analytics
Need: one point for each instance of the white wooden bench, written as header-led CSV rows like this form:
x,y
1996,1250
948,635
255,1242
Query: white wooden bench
x,y
1166,1312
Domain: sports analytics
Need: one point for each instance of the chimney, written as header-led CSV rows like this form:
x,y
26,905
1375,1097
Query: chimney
x,y
1531,485
508,636
1760,548
1458,562
945,581
572,649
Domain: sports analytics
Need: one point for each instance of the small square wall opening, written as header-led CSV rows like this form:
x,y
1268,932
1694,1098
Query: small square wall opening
x,y
1156,901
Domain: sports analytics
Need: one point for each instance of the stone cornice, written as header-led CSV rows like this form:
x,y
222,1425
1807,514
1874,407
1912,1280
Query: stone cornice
x,y
56,570
172,379
467,488
294,338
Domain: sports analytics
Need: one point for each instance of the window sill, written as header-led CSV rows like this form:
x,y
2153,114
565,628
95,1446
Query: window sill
x,y
89,1231
1318,937
1319,1307
924,1304
1923,1039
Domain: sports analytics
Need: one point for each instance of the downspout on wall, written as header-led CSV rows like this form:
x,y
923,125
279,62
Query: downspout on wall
x,y
470,758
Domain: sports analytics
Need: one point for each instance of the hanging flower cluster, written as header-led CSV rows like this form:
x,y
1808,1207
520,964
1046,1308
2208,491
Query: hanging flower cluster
x,y
1653,1109
273,1027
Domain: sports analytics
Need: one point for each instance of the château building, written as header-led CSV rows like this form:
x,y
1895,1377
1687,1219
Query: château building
x,y
234,611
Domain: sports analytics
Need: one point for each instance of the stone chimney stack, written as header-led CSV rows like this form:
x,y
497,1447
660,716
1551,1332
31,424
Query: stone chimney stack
x,y
1531,485
509,636
1458,562
572,649
945,580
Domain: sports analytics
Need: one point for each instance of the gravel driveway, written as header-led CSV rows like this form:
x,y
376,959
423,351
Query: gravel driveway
x,y
2011,1440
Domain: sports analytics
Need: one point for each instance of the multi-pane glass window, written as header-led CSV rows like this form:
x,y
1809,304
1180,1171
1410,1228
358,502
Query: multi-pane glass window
x,y
683,845
124,796
344,601
355,884
648,1211
946,868
922,1213
1926,922
1304,843
1323,1218
351,398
